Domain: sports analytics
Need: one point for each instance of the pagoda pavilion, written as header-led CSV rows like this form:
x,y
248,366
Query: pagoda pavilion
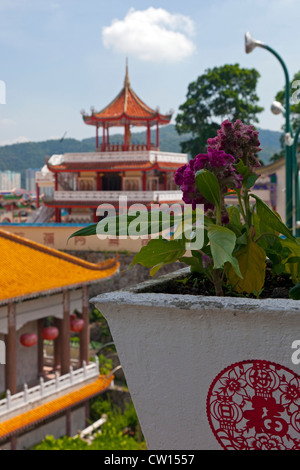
x,y
80,182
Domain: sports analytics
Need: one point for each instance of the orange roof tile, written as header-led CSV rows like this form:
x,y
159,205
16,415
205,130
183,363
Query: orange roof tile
x,y
52,407
29,269
127,107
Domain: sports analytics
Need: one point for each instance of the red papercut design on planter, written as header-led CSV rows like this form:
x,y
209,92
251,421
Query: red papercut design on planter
x,y
255,405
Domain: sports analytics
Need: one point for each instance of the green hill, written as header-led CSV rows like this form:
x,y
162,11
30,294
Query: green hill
x,y
19,157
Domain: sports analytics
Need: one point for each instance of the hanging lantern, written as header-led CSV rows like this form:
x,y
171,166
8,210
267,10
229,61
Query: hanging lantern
x,y
77,325
28,339
50,332
72,318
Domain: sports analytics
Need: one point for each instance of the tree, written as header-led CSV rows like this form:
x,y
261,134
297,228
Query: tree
x,y
226,92
294,102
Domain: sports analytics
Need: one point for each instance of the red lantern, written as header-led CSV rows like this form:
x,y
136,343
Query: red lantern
x,y
50,332
28,339
77,325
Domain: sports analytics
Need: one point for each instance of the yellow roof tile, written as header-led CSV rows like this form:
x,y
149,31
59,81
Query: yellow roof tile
x,y
52,407
28,269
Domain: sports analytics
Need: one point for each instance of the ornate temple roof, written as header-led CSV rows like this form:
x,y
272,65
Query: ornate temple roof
x,y
30,269
126,108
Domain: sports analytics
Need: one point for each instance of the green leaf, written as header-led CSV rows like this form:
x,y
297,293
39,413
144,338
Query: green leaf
x,y
85,231
242,169
194,262
251,181
252,263
292,266
222,243
269,219
208,185
295,292
159,252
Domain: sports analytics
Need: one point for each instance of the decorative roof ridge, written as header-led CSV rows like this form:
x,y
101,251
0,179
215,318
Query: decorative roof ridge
x,y
126,90
101,266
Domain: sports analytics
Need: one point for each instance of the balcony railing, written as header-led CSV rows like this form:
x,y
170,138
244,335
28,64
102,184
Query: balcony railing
x,y
136,156
107,196
48,388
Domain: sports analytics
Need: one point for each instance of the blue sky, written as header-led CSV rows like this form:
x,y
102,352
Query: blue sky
x,y
58,57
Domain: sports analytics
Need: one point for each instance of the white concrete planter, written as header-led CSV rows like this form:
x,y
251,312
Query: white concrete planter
x,y
208,372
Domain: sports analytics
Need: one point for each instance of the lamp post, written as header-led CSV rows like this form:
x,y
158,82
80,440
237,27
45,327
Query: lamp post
x,y
277,108
250,44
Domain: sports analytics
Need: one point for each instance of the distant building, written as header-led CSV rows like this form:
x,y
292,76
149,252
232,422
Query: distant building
x,y
77,183
30,176
9,180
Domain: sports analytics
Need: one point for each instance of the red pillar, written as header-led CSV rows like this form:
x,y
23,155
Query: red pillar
x,y
65,334
144,181
103,139
40,348
57,345
11,350
97,137
37,190
148,136
125,136
55,181
99,181
107,135
84,334
57,215
165,181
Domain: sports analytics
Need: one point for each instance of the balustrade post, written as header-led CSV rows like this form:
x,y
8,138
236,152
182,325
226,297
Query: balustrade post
x,y
8,399
25,393
71,375
41,386
56,380
97,363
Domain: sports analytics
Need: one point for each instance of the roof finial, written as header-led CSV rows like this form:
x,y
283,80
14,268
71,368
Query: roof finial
x,y
126,81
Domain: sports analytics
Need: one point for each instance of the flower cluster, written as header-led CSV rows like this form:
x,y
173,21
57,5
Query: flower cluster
x,y
216,161
240,141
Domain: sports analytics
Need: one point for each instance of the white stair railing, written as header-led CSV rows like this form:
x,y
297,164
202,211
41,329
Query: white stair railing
x,y
46,388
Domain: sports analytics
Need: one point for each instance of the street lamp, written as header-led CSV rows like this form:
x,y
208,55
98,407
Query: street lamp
x,y
277,108
250,44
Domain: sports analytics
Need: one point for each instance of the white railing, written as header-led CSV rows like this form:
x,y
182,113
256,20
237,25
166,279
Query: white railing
x,y
47,388
105,196
44,177
136,156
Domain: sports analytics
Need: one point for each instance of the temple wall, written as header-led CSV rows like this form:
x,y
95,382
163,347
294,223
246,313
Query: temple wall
x,y
56,236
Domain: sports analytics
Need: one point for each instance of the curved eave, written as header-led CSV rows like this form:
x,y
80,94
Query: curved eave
x,y
108,167
125,118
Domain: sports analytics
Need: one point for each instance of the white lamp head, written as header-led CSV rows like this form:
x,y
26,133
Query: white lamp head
x,y
251,43
277,108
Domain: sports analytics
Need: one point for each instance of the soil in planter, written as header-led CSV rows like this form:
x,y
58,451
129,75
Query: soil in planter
x,y
276,286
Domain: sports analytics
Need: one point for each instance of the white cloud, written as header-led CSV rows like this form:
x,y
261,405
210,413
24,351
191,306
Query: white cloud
x,y
18,140
153,35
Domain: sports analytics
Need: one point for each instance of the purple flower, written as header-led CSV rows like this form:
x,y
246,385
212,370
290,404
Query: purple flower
x,y
238,140
220,164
